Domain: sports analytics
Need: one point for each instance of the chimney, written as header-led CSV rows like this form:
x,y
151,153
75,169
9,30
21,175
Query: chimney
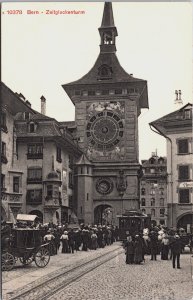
x,y
178,99
43,105
176,92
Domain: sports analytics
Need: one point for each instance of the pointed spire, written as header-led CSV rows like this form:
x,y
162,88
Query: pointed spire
x,y
108,31
108,20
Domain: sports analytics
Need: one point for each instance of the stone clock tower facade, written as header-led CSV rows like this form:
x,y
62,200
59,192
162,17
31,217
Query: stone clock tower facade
x,y
107,103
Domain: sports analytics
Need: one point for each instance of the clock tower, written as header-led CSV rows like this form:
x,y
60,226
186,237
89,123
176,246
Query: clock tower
x,y
107,102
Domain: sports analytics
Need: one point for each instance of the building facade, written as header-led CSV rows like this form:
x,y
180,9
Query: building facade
x,y
107,103
176,127
37,156
153,189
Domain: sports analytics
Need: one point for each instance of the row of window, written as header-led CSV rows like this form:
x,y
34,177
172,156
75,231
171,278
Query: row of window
x,y
154,170
152,202
184,198
107,92
34,197
161,212
152,191
34,176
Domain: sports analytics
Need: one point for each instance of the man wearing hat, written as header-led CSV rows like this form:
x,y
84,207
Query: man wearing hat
x,y
176,247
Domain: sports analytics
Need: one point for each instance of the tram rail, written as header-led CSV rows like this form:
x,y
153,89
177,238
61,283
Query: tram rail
x,y
61,278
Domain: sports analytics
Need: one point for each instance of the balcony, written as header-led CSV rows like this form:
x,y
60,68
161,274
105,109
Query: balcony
x,y
11,197
34,155
34,180
51,202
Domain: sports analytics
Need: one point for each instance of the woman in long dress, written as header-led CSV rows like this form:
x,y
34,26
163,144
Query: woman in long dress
x,y
138,250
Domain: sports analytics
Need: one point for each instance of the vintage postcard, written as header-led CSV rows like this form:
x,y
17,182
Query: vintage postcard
x,y
96,150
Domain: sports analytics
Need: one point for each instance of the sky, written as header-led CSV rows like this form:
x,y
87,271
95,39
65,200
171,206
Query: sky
x,y
40,52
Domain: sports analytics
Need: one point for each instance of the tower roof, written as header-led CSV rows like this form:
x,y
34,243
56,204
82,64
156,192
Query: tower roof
x,y
108,20
107,69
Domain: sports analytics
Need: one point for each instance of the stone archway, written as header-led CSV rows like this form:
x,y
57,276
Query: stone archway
x,y
37,213
103,214
186,221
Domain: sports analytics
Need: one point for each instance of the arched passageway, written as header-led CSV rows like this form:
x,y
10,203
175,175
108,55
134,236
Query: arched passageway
x,y
186,222
103,214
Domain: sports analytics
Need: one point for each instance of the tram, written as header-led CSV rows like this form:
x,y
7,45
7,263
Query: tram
x,y
132,222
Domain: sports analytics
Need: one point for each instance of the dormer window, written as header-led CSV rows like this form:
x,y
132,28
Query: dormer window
x,y
105,72
32,127
152,161
160,161
26,115
187,114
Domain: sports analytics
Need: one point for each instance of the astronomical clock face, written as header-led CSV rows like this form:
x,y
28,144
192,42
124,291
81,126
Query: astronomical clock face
x,y
105,126
104,130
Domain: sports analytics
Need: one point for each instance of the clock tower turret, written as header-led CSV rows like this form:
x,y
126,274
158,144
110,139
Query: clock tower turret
x,y
108,31
108,102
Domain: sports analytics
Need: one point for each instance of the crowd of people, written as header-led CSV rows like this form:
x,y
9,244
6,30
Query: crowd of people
x,y
81,238
169,244
156,240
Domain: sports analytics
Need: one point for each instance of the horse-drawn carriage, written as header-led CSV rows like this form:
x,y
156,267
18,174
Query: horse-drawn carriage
x,y
25,244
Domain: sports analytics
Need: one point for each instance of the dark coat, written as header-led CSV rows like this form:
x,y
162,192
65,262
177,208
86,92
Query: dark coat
x,y
129,247
176,246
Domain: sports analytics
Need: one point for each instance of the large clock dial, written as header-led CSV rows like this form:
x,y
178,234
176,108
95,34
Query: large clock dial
x,y
104,130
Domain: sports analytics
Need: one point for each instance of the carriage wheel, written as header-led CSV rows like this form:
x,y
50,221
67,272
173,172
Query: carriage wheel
x,y
42,257
26,261
7,261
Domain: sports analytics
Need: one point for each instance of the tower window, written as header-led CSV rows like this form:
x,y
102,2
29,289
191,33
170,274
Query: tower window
x,y
118,91
91,93
105,92
107,38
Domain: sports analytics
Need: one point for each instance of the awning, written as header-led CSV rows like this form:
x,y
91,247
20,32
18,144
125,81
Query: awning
x,y
23,217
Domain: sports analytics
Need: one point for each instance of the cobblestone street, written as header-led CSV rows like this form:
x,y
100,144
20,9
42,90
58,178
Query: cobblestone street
x,y
115,280
112,280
